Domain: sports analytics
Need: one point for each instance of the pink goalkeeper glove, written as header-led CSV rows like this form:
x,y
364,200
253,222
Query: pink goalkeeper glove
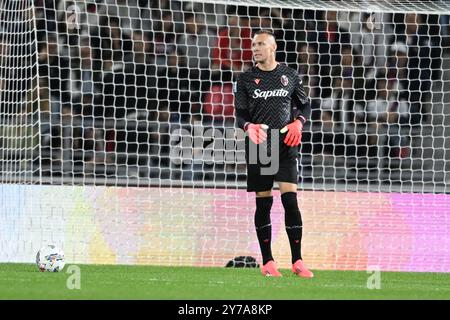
x,y
256,132
294,133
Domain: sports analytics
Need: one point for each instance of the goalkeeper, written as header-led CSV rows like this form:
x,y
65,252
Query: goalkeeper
x,y
270,102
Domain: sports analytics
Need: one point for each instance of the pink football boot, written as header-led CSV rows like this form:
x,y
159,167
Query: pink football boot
x,y
270,270
301,270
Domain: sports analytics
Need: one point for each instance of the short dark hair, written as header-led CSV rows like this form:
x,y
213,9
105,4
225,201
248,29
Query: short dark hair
x,y
266,31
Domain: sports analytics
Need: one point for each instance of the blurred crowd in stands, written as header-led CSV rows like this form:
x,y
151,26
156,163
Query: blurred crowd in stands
x,y
174,62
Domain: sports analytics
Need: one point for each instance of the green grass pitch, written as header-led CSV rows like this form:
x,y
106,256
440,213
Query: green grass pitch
x,y
23,281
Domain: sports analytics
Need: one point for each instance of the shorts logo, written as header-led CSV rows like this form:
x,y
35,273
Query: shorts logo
x,y
284,80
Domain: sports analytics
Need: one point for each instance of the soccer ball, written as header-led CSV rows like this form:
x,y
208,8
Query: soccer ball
x,y
50,258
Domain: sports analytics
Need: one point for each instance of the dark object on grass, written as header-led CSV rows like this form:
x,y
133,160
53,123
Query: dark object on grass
x,y
242,262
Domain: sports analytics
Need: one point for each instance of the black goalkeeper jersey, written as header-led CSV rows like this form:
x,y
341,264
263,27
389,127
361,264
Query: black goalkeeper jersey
x,y
274,98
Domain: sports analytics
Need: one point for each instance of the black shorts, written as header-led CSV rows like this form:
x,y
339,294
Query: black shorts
x,y
256,181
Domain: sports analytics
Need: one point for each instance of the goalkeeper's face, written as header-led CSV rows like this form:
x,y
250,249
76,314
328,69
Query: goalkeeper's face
x,y
263,48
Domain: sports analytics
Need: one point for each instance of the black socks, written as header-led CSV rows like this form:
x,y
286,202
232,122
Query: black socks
x,y
264,227
293,223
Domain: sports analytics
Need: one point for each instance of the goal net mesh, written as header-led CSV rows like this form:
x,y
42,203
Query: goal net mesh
x,y
118,138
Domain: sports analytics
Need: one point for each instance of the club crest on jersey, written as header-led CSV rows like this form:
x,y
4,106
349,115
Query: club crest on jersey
x,y
284,80
257,81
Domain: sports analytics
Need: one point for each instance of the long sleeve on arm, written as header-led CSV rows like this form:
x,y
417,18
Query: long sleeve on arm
x,y
242,117
301,106
241,104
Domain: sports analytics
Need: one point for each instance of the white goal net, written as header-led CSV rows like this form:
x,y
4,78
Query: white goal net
x,y
120,113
